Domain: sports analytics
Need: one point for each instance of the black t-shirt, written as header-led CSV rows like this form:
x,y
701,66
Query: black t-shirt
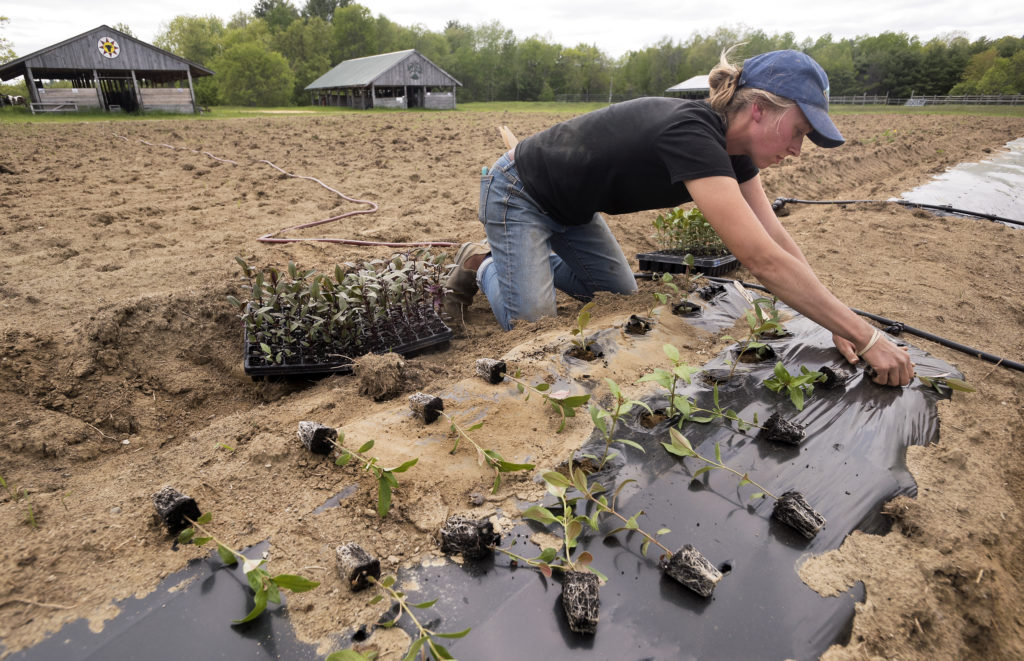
x,y
628,157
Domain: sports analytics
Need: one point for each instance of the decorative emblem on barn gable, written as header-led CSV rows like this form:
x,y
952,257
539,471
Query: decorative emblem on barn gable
x,y
415,68
109,48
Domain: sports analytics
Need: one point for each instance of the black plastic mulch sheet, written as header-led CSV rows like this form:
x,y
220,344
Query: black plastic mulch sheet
x,y
851,462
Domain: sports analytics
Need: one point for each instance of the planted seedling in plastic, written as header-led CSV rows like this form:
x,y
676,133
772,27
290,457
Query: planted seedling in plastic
x,y
791,507
266,588
386,480
581,344
607,421
798,386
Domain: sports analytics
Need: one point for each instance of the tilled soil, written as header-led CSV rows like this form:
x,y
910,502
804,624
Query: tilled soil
x,y
120,361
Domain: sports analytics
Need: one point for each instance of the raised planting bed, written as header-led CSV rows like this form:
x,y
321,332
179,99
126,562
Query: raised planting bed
x,y
298,323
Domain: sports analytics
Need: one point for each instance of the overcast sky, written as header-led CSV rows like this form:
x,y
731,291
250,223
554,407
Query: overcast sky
x,y
614,26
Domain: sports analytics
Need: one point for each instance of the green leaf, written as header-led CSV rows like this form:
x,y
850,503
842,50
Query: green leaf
x,y
700,471
403,467
273,593
294,582
414,648
457,634
958,384
547,555
539,514
542,387
440,652
573,530
797,397
579,480
644,547
662,531
199,541
718,453
780,372
671,352
343,459
350,655
259,605
366,447
226,555
383,497
557,479
425,604
388,581
186,535
632,444
756,495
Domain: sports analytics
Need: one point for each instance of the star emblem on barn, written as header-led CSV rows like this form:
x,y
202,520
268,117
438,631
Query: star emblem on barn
x,y
109,48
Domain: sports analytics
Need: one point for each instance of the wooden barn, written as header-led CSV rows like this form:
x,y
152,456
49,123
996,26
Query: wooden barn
x,y
106,69
404,79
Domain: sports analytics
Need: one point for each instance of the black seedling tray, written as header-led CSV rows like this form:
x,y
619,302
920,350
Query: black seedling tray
x,y
437,335
672,262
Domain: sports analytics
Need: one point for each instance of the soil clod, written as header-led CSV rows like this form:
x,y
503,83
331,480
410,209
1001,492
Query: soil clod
x,y
580,601
175,509
779,430
355,566
318,438
793,510
692,569
426,407
490,370
468,537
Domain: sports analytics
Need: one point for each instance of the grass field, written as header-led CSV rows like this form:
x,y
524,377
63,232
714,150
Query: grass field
x,y
18,114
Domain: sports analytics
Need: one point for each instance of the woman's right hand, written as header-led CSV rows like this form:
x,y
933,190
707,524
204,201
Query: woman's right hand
x,y
891,363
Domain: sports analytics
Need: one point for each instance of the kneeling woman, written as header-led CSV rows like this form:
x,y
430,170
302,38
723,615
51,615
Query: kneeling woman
x,y
540,202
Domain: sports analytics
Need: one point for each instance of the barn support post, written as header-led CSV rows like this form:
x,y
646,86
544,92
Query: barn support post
x,y
373,95
405,95
99,90
453,97
33,94
192,91
138,92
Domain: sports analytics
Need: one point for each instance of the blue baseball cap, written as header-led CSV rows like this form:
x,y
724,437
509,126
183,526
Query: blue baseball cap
x,y
794,75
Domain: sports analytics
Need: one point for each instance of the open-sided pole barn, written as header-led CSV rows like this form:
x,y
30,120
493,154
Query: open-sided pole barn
x,y
107,69
404,79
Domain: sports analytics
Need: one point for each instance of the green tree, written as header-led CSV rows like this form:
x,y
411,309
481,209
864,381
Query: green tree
x,y
123,27
250,75
355,33
278,14
302,45
322,9
6,45
196,38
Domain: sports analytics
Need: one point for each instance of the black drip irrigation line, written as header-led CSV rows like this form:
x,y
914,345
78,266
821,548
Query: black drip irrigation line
x,y
782,201
893,327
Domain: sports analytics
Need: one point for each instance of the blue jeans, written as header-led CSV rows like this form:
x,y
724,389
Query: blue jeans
x,y
533,254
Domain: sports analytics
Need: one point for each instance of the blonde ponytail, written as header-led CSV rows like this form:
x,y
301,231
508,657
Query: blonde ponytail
x,y
727,97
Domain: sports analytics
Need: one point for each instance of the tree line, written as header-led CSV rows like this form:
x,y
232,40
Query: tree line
x,y
266,57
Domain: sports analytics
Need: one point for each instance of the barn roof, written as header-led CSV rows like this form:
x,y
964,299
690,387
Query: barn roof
x,y
384,69
695,84
82,54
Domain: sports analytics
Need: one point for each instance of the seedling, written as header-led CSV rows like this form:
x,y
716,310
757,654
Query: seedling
x,y
761,323
565,406
266,588
607,421
17,494
791,508
688,566
943,383
688,231
580,580
581,343
683,406
424,642
386,480
663,298
484,456
300,316
798,387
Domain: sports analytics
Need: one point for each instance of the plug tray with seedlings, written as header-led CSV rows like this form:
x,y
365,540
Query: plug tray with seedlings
x,y
674,261
356,566
471,538
298,323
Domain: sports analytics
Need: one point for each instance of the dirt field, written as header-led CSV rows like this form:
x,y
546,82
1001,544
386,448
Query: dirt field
x,y
120,364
